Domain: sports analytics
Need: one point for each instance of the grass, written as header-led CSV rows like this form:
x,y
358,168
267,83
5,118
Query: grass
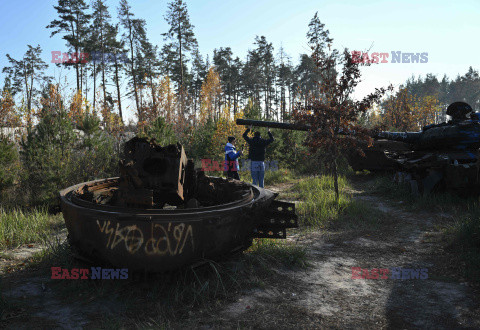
x,y
279,176
271,177
19,227
163,300
462,234
441,201
464,238
282,252
319,209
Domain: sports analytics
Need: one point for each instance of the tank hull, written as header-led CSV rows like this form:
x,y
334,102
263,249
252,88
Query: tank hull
x,y
374,158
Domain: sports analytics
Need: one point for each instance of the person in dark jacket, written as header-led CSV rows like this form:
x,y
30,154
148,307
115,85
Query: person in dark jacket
x,y
231,159
257,155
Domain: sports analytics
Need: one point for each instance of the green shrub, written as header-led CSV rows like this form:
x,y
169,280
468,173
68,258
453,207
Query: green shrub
x,y
160,131
47,153
9,164
200,144
56,156
96,156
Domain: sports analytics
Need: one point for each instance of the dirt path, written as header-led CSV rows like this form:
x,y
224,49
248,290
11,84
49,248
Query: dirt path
x,y
15,257
324,295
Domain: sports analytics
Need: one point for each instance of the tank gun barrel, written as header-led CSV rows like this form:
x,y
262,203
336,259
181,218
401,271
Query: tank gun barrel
x,y
407,137
272,124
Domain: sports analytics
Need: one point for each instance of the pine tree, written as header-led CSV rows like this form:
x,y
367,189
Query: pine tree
x,y
102,27
150,68
199,73
134,32
266,63
73,21
318,38
284,81
26,74
222,59
117,48
252,77
307,74
236,83
92,45
181,41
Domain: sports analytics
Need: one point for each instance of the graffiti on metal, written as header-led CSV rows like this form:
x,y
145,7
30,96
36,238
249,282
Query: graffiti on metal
x,y
169,239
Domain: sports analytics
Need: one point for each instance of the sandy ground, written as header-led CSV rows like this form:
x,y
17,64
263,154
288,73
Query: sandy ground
x,y
326,296
322,296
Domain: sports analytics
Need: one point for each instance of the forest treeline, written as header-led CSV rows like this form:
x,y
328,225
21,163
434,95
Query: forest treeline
x,y
423,101
176,82
177,95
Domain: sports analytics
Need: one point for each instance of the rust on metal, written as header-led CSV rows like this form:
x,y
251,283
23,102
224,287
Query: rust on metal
x,y
161,213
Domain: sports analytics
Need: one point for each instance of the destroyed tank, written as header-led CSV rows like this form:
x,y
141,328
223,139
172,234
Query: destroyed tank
x,y
373,159
441,155
444,155
162,213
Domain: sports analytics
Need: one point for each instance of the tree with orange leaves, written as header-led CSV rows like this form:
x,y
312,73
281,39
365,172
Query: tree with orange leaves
x,y
210,96
406,112
225,127
333,115
79,107
166,100
426,110
398,111
51,101
164,105
8,115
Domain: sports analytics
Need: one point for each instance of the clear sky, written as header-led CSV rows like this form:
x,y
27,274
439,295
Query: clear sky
x,y
448,30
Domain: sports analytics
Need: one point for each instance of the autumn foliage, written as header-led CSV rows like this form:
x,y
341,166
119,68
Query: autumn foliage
x,y
8,114
210,96
332,114
406,112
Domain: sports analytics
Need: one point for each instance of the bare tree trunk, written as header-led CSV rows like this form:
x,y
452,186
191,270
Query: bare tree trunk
x,y
103,71
180,51
154,98
335,179
77,71
94,84
81,75
132,68
86,83
118,90
181,65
